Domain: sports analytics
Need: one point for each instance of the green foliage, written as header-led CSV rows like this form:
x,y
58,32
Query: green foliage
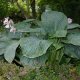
x,y
78,69
45,40
34,62
73,38
73,51
69,7
55,26
10,51
8,47
34,47
7,9
72,26
3,8
55,23
12,9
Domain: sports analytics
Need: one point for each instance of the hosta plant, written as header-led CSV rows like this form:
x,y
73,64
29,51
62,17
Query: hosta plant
x,y
41,41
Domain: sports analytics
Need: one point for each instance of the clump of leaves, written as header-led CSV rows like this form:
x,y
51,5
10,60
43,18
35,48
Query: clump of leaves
x,y
46,40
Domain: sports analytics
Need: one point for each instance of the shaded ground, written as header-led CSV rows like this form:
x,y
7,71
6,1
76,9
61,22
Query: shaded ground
x,y
58,72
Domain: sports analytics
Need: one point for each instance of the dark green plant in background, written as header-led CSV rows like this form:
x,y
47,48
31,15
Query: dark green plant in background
x,y
27,8
3,8
70,7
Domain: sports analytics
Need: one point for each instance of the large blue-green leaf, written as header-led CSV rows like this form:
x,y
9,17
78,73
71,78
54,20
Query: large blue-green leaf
x,y
8,47
22,25
3,45
72,51
25,26
72,31
73,38
29,20
2,51
33,47
32,30
16,35
72,26
10,51
54,23
34,62
4,42
10,35
5,38
59,33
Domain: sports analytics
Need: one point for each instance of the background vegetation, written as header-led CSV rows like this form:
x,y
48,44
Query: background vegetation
x,y
22,8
